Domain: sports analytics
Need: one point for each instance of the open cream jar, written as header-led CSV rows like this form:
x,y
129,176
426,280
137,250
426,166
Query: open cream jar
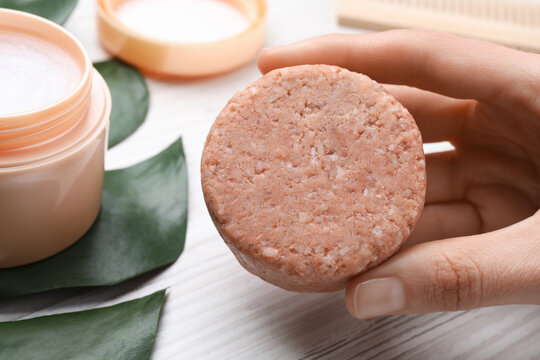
x,y
54,118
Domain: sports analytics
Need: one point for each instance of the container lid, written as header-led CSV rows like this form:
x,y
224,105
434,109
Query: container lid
x,y
185,55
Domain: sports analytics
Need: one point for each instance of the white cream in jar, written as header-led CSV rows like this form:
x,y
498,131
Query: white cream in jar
x,y
30,63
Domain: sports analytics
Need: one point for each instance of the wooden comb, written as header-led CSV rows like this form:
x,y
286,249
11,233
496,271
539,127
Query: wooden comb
x,y
509,22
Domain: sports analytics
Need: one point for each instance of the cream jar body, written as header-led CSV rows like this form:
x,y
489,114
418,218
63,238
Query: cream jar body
x,y
52,153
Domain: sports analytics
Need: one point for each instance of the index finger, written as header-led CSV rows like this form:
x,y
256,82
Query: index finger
x,y
438,62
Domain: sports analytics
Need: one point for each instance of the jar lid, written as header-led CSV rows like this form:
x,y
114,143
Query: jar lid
x,y
163,57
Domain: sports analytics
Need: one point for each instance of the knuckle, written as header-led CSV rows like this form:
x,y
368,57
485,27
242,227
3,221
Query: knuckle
x,y
458,282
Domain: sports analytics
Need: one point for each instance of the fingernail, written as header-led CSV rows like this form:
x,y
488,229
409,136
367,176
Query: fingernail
x,y
378,297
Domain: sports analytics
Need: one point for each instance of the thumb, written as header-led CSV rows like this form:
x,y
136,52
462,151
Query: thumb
x,y
501,267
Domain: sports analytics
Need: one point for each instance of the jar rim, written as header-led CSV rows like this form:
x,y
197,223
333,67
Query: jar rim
x,y
168,58
31,24
99,88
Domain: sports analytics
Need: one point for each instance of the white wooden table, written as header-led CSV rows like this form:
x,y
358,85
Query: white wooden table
x,y
214,308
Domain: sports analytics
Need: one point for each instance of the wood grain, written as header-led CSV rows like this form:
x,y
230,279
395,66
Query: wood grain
x,y
214,308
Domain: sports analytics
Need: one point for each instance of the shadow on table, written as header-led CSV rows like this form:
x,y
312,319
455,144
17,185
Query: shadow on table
x,y
18,307
323,329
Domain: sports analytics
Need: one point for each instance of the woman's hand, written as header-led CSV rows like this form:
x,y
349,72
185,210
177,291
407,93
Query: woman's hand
x,y
485,100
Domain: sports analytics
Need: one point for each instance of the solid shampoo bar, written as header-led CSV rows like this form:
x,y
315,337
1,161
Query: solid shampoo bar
x,y
312,175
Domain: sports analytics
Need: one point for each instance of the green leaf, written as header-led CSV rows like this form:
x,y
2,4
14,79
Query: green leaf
x,y
130,98
141,227
123,331
55,10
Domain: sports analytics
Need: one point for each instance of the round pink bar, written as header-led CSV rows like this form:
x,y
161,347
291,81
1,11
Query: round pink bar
x,y
312,175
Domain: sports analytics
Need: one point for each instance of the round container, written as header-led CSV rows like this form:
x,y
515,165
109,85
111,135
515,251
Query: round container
x,y
177,59
51,152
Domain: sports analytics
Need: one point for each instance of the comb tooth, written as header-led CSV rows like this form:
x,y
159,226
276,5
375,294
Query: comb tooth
x,y
463,7
509,16
496,10
458,6
454,7
500,11
520,13
469,7
535,15
525,14
449,6
466,7
511,12
487,10
473,8
442,5
437,5
530,12
506,14
522,16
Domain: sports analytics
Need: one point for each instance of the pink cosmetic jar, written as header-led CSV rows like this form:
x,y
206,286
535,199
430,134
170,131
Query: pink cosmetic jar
x,y
54,119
